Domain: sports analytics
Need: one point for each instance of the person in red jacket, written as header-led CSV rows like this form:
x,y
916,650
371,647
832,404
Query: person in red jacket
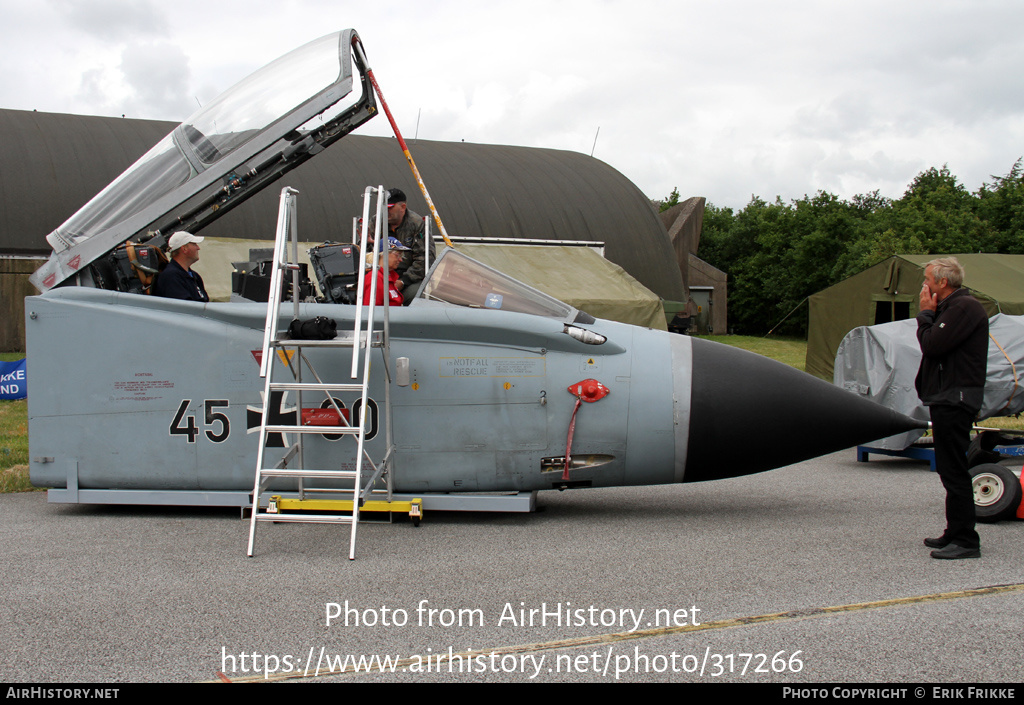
x,y
396,251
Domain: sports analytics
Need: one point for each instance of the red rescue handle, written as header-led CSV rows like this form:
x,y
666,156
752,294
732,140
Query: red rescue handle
x,y
589,390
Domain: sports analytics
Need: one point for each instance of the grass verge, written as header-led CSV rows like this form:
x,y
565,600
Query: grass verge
x,y
14,446
791,351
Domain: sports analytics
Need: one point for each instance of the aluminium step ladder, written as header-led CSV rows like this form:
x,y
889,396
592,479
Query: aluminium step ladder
x,y
292,353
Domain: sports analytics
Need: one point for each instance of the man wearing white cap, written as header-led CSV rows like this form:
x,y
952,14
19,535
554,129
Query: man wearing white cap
x,y
177,280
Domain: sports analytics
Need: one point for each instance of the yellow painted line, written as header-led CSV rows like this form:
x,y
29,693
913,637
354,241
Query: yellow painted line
x,y
439,658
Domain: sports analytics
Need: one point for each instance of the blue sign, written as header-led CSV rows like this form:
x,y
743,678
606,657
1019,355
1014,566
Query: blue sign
x,y
13,380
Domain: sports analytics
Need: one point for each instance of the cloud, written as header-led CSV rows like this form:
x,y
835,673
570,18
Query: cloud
x,y
150,81
94,89
722,99
112,20
158,78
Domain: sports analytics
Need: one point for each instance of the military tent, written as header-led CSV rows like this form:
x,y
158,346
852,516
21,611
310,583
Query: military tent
x,y
889,291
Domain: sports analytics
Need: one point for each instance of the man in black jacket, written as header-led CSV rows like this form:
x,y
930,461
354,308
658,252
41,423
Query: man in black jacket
x,y
952,329
410,229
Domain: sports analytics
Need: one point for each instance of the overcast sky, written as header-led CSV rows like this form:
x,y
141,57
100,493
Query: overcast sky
x,y
721,98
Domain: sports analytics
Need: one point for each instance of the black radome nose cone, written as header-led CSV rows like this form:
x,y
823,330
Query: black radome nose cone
x,y
749,413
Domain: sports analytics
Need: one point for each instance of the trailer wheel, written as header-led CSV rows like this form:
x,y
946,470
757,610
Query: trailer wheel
x,y
997,492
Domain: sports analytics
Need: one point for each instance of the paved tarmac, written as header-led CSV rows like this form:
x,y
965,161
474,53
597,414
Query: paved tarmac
x,y
810,574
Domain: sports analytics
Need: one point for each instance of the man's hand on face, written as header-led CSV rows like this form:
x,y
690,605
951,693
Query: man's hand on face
x,y
929,301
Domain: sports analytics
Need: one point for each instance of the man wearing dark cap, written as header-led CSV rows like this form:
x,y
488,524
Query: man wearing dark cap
x,y
409,228
178,280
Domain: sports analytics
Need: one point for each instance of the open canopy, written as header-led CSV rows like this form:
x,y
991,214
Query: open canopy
x,y
249,136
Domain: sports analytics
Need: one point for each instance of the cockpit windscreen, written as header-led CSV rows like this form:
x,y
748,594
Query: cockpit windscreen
x,y
457,279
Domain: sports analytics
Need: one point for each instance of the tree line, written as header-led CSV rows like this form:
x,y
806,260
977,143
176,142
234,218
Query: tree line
x,y
776,254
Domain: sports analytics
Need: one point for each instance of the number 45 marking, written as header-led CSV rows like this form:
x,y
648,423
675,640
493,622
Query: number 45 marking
x,y
191,431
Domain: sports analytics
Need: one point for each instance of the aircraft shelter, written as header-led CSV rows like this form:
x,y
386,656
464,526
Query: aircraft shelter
x,y
51,164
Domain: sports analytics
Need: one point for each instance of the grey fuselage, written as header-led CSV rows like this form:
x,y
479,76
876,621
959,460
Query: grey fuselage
x,y
146,393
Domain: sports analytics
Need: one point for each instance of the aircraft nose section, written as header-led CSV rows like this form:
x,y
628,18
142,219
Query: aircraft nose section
x,y
748,413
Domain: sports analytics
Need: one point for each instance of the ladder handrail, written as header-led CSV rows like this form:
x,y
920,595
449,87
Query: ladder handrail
x,y
368,349
285,207
360,285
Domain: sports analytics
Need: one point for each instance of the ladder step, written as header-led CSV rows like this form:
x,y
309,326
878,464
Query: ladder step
x,y
332,430
305,518
306,472
310,504
344,340
315,387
